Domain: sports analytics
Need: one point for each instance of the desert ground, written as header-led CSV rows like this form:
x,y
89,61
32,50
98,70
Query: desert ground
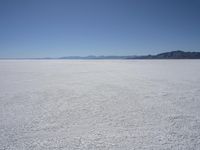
x,y
99,104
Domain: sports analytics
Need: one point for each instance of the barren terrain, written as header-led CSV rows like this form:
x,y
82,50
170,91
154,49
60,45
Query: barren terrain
x,y
99,104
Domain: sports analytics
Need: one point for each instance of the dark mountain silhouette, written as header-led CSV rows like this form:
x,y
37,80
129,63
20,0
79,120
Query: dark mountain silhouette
x,y
167,55
172,55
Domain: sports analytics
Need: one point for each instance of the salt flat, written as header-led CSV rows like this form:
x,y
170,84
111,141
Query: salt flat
x,y
99,104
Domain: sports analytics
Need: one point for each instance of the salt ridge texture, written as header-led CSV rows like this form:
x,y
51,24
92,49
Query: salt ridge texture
x,y
99,104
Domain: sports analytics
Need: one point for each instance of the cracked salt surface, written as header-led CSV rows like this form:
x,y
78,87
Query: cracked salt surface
x,y
99,104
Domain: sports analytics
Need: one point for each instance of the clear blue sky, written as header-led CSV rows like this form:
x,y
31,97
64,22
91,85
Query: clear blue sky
x,y
54,28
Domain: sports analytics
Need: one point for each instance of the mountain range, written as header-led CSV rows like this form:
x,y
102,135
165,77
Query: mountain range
x,y
167,55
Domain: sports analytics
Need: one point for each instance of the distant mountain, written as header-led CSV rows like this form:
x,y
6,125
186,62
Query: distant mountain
x,y
167,55
96,57
172,55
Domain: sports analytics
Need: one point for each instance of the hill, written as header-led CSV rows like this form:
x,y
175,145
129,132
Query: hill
x,y
167,55
171,55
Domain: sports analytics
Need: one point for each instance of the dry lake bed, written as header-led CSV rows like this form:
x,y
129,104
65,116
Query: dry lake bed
x,y
99,104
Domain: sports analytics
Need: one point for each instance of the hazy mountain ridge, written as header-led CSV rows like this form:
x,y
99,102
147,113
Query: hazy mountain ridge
x,y
173,55
166,55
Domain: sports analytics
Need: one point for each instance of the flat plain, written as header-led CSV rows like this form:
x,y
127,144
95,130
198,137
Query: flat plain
x,y
99,104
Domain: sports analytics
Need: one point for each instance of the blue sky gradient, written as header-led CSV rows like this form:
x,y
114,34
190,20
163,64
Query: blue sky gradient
x,y
55,28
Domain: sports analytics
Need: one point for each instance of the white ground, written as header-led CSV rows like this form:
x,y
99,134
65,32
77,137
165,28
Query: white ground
x,y
99,104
